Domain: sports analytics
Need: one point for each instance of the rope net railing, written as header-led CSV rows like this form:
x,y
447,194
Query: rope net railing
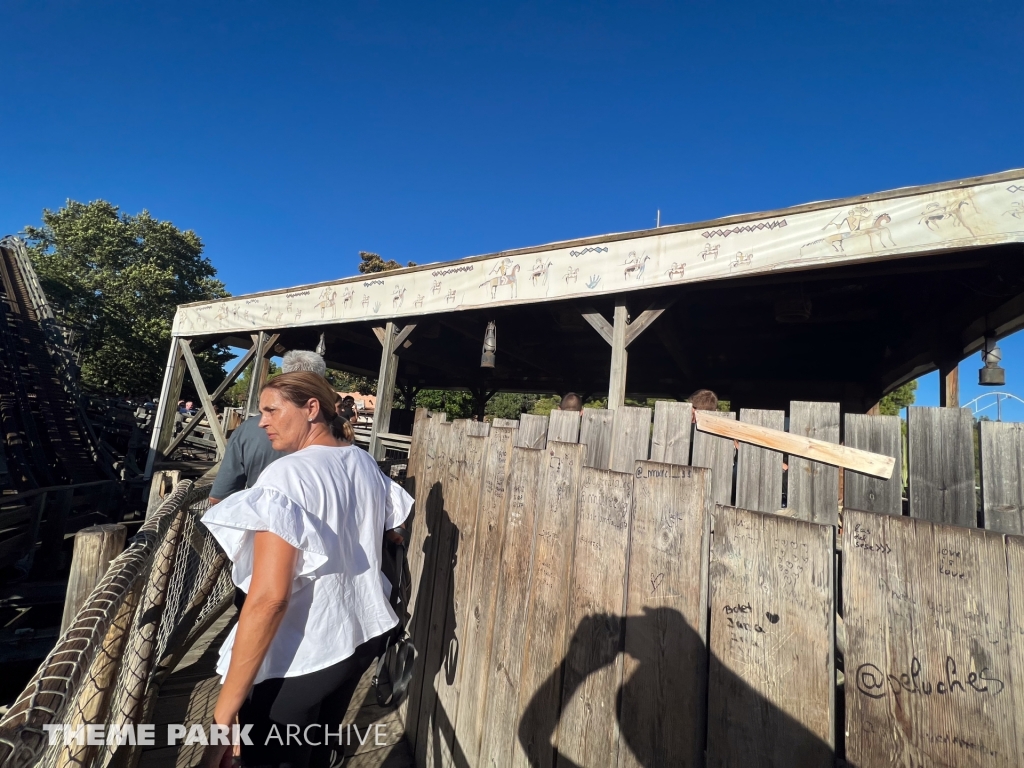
x,y
156,598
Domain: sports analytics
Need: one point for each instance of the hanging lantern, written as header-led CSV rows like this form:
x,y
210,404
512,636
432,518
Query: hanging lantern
x,y
490,347
991,375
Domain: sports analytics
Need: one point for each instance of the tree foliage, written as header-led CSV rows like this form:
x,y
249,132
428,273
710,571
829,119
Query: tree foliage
x,y
369,263
510,405
119,278
457,405
898,399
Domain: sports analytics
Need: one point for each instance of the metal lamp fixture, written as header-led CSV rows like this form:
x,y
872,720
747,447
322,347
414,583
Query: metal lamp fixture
x,y
490,346
991,375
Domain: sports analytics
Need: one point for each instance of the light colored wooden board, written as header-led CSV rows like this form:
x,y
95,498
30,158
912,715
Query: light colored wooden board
x,y
509,423
436,651
719,455
596,434
813,487
795,445
771,697
758,470
665,660
588,733
533,431
540,680
423,549
673,426
478,428
475,640
465,522
1014,546
928,644
877,434
509,634
1002,476
564,426
941,464
631,438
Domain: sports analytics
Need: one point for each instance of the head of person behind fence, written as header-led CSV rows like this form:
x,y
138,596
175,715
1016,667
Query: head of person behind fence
x,y
704,400
303,360
297,409
571,402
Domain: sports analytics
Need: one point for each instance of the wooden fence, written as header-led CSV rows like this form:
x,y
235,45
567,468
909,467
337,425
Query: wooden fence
x,y
602,599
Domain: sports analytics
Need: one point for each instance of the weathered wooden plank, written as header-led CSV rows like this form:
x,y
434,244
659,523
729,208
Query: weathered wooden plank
x,y
564,426
1014,546
465,523
759,470
540,680
665,660
941,464
928,644
673,425
770,690
813,487
509,634
1002,476
533,431
588,733
422,618
475,640
478,429
795,445
596,434
631,438
508,423
719,455
437,648
878,434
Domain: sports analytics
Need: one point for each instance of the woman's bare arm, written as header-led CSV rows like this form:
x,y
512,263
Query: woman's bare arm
x,y
265,605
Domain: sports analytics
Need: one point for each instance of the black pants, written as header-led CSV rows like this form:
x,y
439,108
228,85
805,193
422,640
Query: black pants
x,y
319,699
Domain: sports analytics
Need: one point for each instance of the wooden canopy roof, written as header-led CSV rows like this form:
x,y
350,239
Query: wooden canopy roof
x,y
841,301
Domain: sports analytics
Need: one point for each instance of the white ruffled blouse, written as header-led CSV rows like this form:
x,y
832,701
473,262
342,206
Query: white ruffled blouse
x,y
333,505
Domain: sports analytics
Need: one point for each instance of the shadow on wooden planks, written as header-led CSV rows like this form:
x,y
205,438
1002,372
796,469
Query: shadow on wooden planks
x,y
624,681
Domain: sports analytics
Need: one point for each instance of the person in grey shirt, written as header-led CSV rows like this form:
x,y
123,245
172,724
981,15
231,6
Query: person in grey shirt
x,y
249,450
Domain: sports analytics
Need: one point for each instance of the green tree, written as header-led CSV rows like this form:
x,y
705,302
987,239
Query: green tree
x,y
898,399
120,278
510,405
370,263
458,405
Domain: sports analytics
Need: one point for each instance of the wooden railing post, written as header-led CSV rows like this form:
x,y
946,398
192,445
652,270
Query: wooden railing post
x,y
95,547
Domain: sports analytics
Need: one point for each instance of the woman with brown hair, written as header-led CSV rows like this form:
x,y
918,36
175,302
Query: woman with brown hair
x,y
305,545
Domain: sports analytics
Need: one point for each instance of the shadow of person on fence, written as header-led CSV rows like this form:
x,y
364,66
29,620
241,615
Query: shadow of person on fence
x,y
662,705
434,630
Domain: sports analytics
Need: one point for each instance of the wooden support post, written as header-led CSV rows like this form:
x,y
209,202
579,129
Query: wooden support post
x,y
167,408
620,335
252,400
617,377
228,381
392,340
95,547
204,398
949,385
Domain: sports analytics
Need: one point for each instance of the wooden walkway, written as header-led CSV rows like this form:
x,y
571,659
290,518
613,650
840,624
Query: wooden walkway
x,y
190,693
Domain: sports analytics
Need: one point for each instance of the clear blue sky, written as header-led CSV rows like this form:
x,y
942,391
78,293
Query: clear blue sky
x,y
291,136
